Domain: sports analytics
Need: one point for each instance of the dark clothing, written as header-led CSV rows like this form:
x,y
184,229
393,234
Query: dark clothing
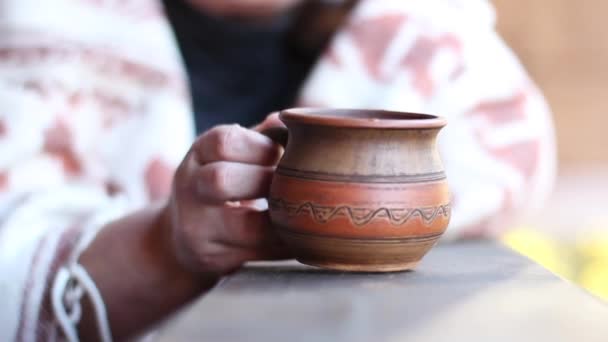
x,y
238,72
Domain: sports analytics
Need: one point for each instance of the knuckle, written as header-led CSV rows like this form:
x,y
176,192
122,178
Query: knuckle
x,y
219,180
224,138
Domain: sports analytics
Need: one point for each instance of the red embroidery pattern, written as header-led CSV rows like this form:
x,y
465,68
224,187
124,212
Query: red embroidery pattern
x,y
522,156
3,181
158,176
107,64
373,37
113,107
60,256
3,128
421,55
58,143
500,112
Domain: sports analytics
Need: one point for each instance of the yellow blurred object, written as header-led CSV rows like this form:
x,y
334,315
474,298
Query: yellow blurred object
x,y
584,262
595,247
594,273
594,277
539,248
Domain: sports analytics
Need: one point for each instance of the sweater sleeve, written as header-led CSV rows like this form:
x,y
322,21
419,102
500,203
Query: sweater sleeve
x,y
93,120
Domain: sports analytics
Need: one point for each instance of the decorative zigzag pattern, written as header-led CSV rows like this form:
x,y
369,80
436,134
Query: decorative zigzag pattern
x,y
361,216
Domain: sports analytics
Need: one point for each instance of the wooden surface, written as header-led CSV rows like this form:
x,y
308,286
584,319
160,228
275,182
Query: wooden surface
x,y
464,292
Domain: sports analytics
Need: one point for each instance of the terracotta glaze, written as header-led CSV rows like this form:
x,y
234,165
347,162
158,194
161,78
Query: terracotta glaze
x,y
360,190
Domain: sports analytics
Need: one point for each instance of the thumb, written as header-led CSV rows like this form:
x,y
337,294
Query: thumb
x,y
271,121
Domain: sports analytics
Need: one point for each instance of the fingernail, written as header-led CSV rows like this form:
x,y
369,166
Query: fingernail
x,y
233,204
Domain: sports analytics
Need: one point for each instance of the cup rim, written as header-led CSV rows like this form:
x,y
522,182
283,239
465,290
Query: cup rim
x,y
361,118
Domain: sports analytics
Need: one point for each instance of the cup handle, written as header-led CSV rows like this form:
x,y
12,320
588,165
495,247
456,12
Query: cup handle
x,y
279,135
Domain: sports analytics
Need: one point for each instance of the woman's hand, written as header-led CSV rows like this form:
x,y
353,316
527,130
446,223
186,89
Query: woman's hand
x,y
152,262
215,221
244,8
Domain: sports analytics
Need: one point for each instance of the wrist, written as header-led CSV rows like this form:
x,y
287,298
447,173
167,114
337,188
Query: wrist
x,y
134,267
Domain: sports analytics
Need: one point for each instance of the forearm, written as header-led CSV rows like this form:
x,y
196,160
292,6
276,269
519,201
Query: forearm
x,y
137,274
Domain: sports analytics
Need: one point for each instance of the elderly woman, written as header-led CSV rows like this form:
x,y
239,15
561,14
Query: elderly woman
x,y
103,233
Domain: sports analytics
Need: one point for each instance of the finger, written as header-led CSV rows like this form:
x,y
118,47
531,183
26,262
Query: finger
x,y
219,182
250,229
222,259
246,228
237,144
259,204
271,121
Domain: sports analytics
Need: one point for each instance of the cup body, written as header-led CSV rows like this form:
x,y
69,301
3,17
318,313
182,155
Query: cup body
x,y
360,190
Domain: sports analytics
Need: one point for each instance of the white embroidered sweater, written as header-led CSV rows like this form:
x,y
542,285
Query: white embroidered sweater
x,y
95,116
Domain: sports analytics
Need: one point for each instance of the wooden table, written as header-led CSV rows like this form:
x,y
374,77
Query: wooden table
x,y
460,292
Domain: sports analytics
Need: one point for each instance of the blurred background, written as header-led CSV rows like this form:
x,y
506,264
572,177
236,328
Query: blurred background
x,y
561,44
